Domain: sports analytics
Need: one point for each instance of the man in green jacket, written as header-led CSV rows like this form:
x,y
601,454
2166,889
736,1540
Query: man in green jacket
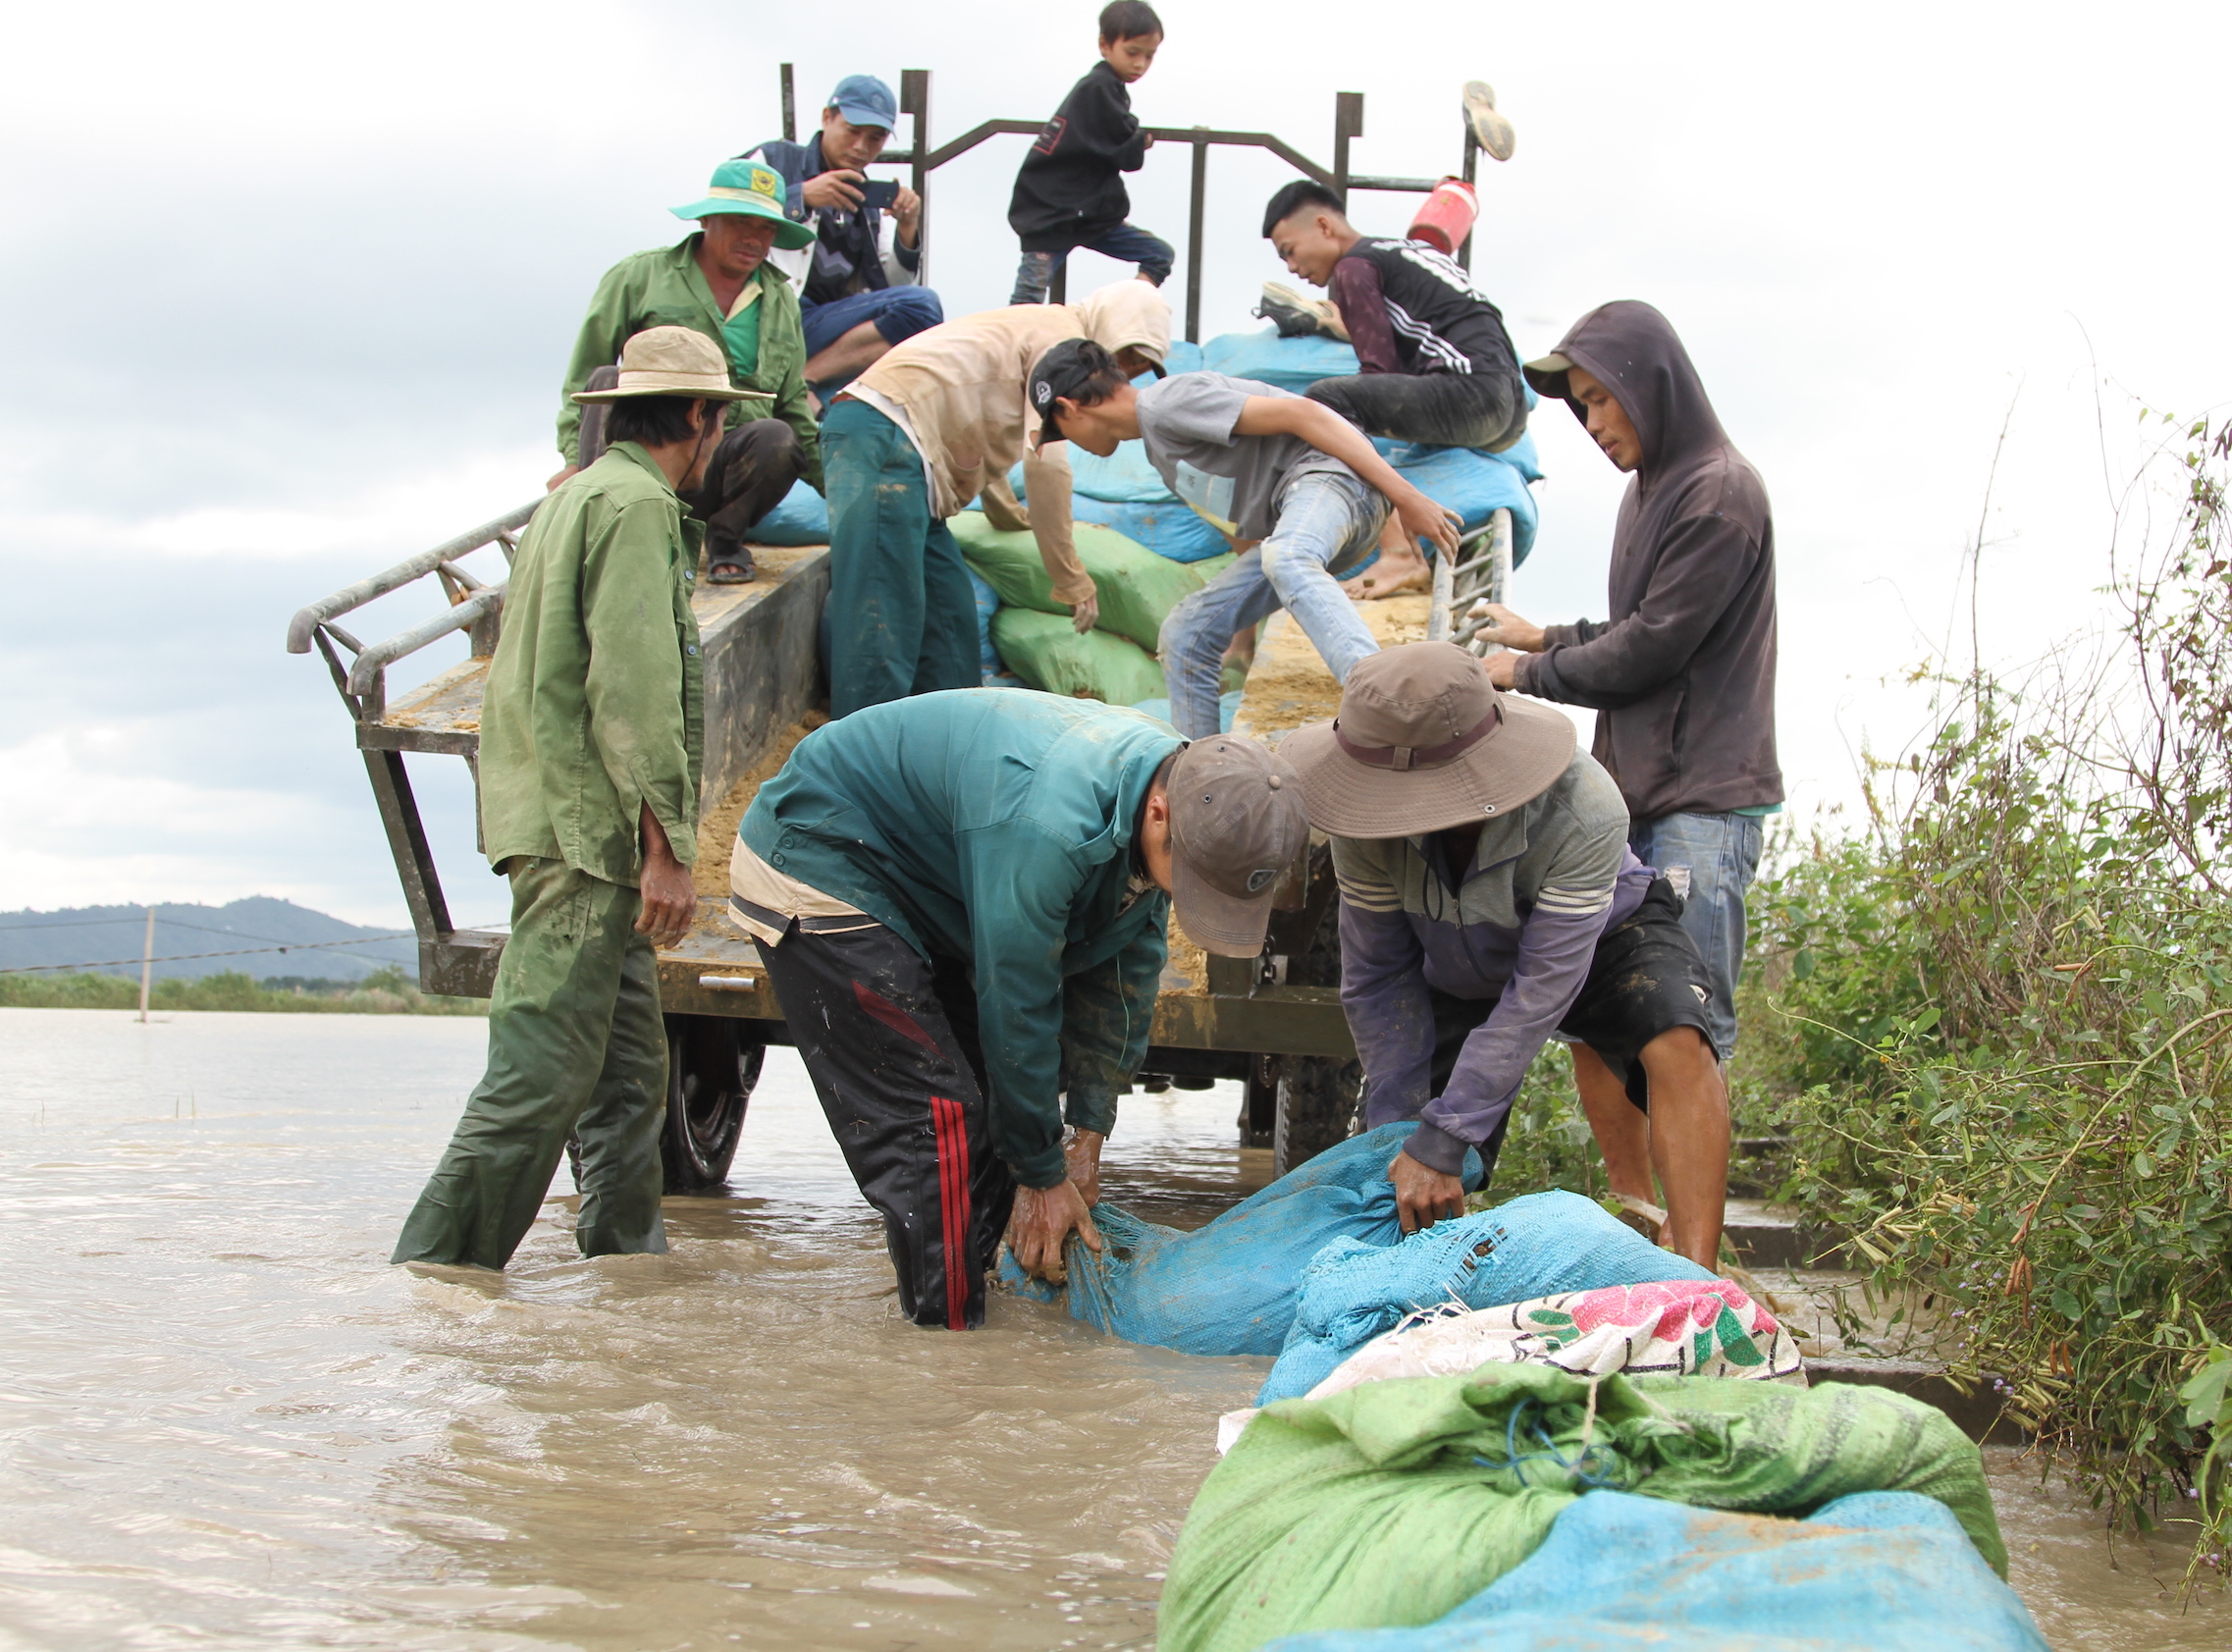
x,y
719,282
961,899
591,733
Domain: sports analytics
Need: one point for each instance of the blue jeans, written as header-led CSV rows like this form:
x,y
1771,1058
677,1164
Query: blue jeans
x,y
1327,520
1126,243
1710,860
902,615
899,313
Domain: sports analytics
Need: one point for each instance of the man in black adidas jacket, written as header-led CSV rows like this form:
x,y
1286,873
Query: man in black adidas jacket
x,y
1438,366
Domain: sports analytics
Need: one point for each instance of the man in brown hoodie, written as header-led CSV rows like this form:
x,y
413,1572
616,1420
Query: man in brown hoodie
x,y
1683,674
917,439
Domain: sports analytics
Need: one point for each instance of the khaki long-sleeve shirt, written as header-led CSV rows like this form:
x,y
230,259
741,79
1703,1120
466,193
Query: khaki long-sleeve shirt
x,y
595,704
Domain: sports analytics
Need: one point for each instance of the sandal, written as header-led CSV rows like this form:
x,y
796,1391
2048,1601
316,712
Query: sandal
x,y
731,567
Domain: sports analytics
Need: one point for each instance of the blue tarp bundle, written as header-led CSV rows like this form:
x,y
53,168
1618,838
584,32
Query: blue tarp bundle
x,y
1533,1246
1622,1573
996,674
802,519
1230,1287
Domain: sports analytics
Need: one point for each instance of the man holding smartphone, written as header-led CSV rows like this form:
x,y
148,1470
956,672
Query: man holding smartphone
x,y
856,284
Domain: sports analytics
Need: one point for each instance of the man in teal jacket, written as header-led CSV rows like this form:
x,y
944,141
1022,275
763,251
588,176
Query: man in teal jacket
x,y
961,899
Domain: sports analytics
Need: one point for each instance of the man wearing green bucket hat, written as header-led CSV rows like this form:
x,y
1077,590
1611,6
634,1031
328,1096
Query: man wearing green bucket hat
x,y
719,281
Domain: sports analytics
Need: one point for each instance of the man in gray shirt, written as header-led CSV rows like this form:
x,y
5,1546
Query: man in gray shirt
x,y
1299,490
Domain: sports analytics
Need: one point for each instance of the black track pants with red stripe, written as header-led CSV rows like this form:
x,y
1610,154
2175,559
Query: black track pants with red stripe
x,y
891,1046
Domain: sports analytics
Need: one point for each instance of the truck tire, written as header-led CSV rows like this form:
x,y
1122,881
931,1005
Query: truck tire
x,y
709,1075
1317,1109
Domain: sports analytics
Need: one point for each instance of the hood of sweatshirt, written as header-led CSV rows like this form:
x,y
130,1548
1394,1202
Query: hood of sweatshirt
x,y
1633,351
1127,312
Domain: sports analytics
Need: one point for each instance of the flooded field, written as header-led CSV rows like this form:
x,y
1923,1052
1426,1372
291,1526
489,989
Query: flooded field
x,y
229,1423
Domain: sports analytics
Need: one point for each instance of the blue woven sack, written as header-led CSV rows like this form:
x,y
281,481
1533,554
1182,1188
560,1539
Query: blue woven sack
x,y
802,519
1533,1247
1621,1572
1230,1287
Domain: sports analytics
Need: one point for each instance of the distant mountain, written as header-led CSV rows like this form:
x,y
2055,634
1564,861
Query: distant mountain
x,y
106,939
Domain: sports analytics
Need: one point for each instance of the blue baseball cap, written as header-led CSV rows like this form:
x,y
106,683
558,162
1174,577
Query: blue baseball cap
x,y
865,101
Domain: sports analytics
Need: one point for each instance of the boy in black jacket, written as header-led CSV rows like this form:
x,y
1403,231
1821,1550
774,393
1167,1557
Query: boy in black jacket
x,y
1070,193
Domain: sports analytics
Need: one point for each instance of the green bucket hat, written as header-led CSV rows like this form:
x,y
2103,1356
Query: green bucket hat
x,y
752,191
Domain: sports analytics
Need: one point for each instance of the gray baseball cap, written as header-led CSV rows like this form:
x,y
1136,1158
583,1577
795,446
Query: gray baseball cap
x,y
1236,822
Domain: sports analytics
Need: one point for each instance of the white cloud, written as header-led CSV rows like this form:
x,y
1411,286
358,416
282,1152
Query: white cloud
x,y
301,280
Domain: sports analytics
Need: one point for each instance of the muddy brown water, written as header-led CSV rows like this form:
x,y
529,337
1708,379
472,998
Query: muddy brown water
x,y
227,1421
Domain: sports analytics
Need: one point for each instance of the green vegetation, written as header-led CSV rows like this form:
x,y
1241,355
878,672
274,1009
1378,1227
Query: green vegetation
x,y
1990,1031
386,991
1999,1019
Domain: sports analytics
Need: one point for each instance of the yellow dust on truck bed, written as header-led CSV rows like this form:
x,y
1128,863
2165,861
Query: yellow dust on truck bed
x,y
717,826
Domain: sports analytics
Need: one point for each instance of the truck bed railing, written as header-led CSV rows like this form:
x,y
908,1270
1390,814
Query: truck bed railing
x,y
1480,571
921,158
474,608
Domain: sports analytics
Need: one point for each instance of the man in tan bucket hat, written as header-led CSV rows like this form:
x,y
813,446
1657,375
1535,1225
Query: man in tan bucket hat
x,y
591,733
1489,899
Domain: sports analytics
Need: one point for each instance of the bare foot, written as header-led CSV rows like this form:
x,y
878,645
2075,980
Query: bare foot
x,y
1395,573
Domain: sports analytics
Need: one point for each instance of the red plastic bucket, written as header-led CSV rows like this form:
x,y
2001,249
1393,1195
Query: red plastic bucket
x,y
1448,215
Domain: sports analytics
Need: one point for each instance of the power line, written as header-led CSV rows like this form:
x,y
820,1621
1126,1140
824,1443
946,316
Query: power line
x,y
181,957
161,921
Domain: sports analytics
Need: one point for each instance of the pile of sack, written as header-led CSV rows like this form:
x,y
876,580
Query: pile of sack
x,y
1524,1427
1145,551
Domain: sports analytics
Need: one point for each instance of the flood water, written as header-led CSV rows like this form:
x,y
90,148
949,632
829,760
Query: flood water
x,y
227,1421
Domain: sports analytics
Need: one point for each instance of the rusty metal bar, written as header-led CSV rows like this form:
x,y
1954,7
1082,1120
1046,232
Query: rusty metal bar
x,y
364,676
913,100
306,621
1196,206
1348,122
1470,175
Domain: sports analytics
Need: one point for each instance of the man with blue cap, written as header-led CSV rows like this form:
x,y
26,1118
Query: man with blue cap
x,y
719,282
858,286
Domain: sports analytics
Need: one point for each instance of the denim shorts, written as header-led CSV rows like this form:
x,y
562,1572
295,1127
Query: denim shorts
x,y
1710,860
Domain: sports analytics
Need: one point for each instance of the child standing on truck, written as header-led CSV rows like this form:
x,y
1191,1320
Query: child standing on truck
x,y
1070,192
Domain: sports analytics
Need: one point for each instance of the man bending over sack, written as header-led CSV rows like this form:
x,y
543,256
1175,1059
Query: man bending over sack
x,y
1296,486
1488,898
1438,366
961,900
932,426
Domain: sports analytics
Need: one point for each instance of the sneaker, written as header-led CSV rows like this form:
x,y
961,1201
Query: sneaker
x,y
1298,318
1490,130
1295,316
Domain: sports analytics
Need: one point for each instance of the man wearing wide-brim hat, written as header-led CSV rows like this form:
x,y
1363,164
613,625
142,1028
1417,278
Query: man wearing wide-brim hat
x,y
1488,900
719,281
591,739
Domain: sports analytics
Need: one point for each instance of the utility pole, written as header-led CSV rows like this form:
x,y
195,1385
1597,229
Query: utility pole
x,y
146,965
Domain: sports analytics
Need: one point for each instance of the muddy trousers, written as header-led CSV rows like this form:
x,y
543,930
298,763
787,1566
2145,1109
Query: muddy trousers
x,y
902,615
890,1043
576,1046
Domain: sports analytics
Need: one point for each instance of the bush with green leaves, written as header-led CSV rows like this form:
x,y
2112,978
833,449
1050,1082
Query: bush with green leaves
x,y
1998,1027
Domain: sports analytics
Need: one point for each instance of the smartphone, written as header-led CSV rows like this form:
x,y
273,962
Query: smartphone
x,y
883,193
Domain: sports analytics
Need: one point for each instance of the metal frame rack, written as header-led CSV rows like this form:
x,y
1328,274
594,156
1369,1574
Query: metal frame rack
x,y
1348,125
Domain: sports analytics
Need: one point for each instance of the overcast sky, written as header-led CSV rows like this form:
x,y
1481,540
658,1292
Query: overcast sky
x,y
293,287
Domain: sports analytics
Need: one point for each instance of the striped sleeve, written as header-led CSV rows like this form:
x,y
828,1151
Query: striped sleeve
x,y
1366,891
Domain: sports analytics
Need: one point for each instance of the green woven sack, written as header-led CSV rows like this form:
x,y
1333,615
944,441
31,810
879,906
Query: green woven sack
x,y
1390,1504
1137,588
1045,652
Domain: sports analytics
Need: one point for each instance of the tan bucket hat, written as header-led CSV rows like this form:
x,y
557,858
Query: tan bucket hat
x,y
1425,741
672,361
